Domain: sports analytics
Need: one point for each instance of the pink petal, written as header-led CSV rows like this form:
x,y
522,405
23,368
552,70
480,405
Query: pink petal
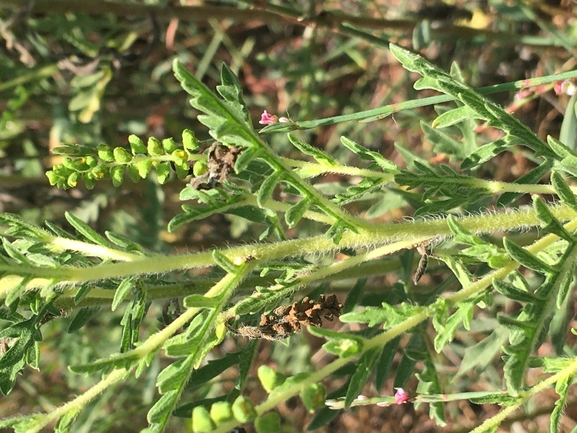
x,y
401,396
267,119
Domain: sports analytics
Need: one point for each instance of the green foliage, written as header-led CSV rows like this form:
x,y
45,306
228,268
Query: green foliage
x,y
115,284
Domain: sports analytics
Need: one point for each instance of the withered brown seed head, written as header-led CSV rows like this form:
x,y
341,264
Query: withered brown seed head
x,y
288,319
221,160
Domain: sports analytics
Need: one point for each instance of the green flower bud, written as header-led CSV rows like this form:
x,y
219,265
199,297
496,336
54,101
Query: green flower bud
x,y
117,175
72,180
180,158
91,161
121,155
61,171
201,422
189,140
52,177
80,164
270,378
105,153
344,347
88,180
137,145
169,145
132,171
269,423
68,162
314,396
144,167
200,167
243,409
220,412
163,172
98,172
154,147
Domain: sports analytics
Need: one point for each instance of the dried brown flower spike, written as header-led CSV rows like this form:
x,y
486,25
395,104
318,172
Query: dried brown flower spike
x,y
221,160
288,319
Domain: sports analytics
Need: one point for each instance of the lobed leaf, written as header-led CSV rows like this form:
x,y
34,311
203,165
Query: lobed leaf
x,y
364,368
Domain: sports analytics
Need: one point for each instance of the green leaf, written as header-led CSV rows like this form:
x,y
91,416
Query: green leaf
x,y
296,212
335,232
199,301
443,142
524,258
65,423
132,319
513,292
516,324
364,153
406,368
174,375
365,366
85,230
562,388
83,290
161,411
454,116
563,191
213,368
371,315
458,269
551,224
125,360
81,318
17,290
124,288
447,327
560,149
532,176
486,152
321,157
354,297
385,361
224,262
266,189
193,213
560,321
479,356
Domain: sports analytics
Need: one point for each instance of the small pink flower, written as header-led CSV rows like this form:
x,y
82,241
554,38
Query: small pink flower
x,y
401,396
268,119
566,87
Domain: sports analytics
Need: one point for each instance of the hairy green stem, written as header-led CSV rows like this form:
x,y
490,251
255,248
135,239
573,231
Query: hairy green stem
x,y
412,232
79,402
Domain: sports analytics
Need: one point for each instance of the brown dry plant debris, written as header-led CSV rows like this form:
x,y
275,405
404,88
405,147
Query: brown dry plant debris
x,y
289,319
221,160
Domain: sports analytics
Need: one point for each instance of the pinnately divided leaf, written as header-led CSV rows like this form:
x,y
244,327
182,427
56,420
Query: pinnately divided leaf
x,y
437,79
